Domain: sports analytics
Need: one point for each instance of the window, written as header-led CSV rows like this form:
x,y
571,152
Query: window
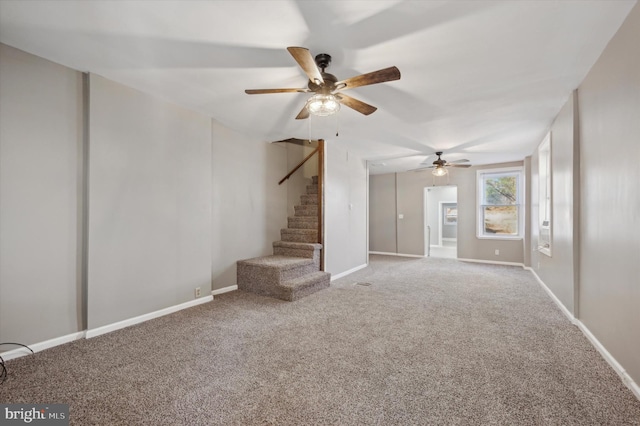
x,y
544,196
500,209
450,214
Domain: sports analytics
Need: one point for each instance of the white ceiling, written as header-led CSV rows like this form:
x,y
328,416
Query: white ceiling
x,y
481,80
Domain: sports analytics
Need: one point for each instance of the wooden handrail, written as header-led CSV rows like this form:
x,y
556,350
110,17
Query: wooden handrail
x,y
297,167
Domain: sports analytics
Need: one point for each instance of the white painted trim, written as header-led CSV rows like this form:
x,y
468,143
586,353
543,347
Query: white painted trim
x,y
626,379
553,297
395,254
350,271
492,262
146,317
624,376
224,290
41,346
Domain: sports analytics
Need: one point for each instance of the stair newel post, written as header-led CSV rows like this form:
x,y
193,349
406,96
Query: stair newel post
x,y
321,200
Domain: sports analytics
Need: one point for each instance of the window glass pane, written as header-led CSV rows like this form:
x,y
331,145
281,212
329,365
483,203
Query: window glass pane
x,y
501,220
501,190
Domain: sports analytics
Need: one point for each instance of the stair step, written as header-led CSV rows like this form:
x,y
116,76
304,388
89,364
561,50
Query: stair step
x,y
314,180
303,222
300,287
263,275
308,200
312,189
306,250
299,235
306,211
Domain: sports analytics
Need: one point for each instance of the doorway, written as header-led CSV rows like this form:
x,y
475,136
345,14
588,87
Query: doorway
x,y
441,221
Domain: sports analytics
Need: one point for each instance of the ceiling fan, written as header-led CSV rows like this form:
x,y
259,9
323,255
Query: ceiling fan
x,y
439,165
327,88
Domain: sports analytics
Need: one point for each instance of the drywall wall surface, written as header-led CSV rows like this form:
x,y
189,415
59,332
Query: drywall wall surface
x,y
556,271
149,203
382,213
410,204
40,198
249,207
297,184
346,202
609,108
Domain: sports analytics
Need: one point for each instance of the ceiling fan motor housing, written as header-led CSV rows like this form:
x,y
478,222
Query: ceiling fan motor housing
x,y
323,60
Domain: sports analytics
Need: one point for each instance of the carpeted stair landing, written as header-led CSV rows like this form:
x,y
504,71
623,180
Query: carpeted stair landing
x,y
293,271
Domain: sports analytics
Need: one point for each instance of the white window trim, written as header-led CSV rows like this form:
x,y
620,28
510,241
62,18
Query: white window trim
x,y
545,193
521,200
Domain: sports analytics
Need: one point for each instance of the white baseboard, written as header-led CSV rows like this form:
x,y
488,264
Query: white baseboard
x,y
624,376
492,262
146,317
626,379
553,297
224,290
395,254
350,271
40,346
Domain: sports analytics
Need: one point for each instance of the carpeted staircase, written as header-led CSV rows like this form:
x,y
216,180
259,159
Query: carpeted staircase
x,y
293,271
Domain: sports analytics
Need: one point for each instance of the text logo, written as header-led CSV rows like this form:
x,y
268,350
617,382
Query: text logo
x,y
34,414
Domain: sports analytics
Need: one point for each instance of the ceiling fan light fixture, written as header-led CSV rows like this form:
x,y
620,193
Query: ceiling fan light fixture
x,y
323,104
439,171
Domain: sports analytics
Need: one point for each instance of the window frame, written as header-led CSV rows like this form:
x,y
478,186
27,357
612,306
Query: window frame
x,y
545,196
520,202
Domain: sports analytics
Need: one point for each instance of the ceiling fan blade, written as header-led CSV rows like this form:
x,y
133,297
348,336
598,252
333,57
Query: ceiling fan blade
x,y
263,91
457,165
307,63
380,76
304,113
458,161
357,105
421,169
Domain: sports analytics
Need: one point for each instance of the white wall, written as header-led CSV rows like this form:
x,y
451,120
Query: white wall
x,y
557,270
609,110
149,203
40,198
249,207
297,184
345,209
594,271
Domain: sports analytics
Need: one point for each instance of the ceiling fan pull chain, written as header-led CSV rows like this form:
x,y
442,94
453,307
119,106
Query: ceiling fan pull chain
x,y
337,124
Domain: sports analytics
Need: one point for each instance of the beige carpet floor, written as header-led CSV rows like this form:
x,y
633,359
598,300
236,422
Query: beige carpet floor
x,y
402,342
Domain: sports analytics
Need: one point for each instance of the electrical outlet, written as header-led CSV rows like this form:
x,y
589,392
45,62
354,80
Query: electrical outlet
x,y
497,252
197,292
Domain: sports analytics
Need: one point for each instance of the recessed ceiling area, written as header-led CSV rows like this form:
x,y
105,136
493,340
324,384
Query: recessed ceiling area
x,y
481,80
